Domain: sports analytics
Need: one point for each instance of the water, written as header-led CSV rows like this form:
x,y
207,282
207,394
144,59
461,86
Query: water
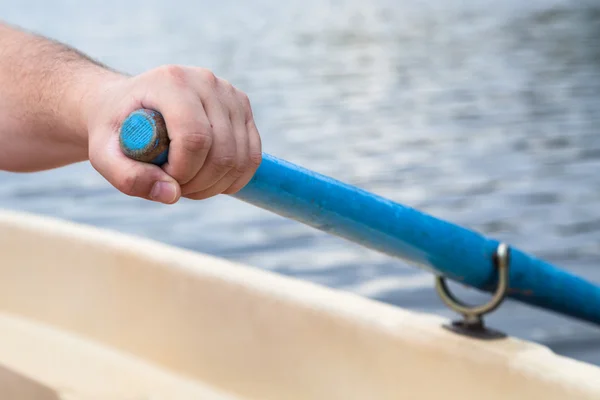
x,y
484,113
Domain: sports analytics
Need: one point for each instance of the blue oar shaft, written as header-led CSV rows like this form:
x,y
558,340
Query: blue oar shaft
x,y
400,231
380,224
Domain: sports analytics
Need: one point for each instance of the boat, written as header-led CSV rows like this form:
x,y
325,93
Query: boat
x,y
90,313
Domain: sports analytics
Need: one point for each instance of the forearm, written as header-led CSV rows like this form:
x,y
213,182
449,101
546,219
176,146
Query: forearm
x,y
46,90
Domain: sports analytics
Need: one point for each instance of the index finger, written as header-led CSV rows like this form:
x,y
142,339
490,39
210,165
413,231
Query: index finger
x,y
190,133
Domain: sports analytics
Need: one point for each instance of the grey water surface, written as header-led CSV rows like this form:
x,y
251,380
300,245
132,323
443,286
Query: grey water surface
x,y
485,113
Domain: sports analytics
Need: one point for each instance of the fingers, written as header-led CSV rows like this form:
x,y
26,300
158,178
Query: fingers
x,y
229,108
223,155
190,132
254,148
131,177
229,162
214,146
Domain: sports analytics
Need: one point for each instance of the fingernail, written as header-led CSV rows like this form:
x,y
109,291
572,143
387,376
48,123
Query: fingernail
x,y
165,192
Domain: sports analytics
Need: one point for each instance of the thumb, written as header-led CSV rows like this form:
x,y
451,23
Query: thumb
x,y
132,177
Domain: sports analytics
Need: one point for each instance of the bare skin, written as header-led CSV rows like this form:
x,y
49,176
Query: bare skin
x,y
58,107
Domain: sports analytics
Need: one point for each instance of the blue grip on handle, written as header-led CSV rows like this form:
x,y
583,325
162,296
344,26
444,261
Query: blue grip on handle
x,y
143,137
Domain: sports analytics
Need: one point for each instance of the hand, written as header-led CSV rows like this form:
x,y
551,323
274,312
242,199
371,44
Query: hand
x,y
214,148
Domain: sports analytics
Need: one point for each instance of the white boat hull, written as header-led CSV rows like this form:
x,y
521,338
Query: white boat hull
x,y
93,314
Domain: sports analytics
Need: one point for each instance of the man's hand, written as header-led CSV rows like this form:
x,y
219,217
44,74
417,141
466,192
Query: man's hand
x,y
214,148
58,106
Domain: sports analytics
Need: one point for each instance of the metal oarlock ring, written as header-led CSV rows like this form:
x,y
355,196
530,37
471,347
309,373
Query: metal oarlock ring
x,y
473,315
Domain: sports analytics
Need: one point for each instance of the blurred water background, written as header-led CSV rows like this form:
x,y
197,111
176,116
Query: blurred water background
x,y
481,112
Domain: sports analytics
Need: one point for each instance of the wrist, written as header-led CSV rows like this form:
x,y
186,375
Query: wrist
x,y
83,99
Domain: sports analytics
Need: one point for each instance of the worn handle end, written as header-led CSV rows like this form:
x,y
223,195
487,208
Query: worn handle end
x,y
143,137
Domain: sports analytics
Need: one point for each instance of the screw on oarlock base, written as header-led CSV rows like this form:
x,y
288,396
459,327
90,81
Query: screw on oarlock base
x,y
472,323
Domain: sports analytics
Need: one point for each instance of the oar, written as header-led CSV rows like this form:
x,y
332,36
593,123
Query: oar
x,y
377,223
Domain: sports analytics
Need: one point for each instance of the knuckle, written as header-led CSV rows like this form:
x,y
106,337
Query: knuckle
x,y
175,73
208,77
224,163
246,106
227,86
197,142
255,159
244,99
240,168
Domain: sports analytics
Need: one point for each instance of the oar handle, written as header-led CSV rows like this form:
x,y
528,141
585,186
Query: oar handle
x,y
144,137
380,224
